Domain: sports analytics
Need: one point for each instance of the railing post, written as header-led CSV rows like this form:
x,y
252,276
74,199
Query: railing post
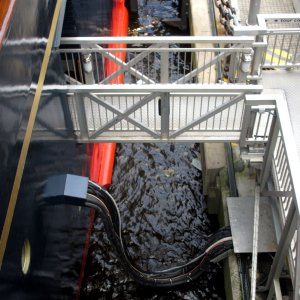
x,y
282,249
164,66
165,97
267,163
165,115
259,46
297,266
233,67
253,11
260,49
81,116
245,125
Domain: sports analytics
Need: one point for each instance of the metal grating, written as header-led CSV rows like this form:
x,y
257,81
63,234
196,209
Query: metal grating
x,y
267,7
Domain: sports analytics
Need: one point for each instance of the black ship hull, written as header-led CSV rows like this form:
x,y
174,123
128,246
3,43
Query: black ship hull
x,y
56,235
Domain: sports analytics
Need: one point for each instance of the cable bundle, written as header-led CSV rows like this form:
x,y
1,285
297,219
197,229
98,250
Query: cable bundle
x,y
217,247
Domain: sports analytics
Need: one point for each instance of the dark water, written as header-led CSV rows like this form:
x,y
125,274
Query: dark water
x,y
159,194
151,14
163,211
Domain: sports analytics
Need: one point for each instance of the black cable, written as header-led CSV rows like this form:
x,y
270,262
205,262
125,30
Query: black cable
x,y
217,244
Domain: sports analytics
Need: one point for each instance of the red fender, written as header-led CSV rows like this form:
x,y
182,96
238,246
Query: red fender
x,y
103,156
119,27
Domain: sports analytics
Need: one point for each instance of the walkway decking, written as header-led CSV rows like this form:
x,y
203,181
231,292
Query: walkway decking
x,y
267,7
289,82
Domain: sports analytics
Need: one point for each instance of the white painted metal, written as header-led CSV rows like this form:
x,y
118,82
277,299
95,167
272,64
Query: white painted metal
x,y
158,112
285,173
156,39
254,7
277,41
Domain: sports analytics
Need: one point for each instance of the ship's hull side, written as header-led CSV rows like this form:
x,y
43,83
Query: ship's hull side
x,y
56,234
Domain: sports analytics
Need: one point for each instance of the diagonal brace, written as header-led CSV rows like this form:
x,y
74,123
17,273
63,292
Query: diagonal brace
x,y
124,115
198,70
126,66
208,115
118,112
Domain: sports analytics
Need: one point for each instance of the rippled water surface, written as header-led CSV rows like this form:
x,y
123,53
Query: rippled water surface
x,y
159,194
151,14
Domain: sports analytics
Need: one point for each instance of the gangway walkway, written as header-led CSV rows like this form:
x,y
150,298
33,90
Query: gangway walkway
x,y
157,113
162,101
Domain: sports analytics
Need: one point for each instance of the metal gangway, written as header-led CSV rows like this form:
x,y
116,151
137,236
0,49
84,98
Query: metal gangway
x,y
210,93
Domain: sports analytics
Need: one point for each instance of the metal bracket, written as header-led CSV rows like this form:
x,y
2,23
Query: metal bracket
x,y
67,188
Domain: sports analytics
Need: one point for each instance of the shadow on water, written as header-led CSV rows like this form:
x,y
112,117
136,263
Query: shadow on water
x,y
163,211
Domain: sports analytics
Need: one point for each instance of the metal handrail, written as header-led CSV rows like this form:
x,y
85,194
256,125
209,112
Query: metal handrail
x,y
274,47
282,129
215,89
156,40
148,58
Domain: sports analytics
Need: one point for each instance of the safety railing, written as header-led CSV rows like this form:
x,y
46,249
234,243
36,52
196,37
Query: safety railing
x,y
281,164
277,42
282,39
148,59
156,112
257,122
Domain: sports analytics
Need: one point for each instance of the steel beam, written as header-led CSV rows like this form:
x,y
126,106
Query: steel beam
x,y
283,247
268,157
165,115
81,116
227,89
255,242
254,7
157,39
